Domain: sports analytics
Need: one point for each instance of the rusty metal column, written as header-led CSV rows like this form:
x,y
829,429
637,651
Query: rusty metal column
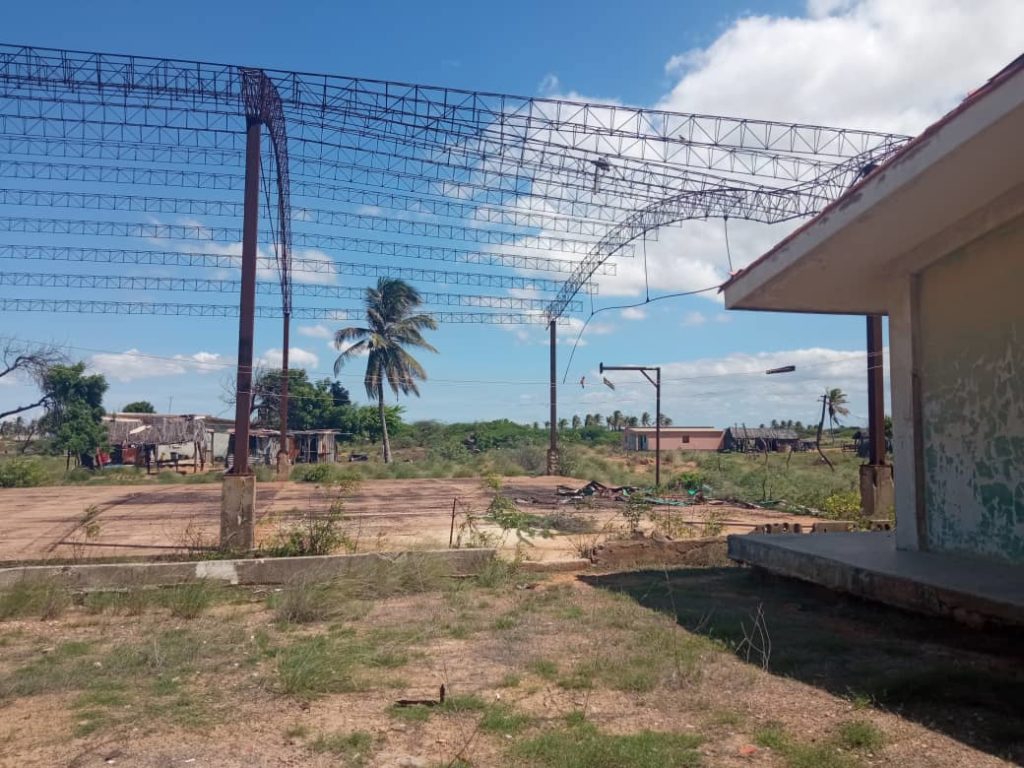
x,y
553,463
247,304
283,458
876,392
657,427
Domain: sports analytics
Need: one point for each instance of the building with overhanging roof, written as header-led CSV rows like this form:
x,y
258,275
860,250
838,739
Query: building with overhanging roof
x,y
934,240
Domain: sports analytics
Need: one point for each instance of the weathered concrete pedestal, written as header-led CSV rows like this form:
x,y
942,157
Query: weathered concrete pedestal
x,y
876,491
238,513
554,463
284,467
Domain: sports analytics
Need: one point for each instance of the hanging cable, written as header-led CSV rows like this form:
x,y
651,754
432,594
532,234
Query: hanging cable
x,y
649,300
728,250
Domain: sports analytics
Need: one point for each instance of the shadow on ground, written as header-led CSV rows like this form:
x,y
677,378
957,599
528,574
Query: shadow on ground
x,y
964,682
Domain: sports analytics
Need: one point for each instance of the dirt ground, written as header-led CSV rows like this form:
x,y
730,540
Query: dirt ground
x,y
87,522
540,673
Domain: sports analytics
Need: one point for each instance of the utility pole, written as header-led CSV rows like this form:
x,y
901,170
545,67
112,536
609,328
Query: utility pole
x,y
554,465
238,495
247,311
656,383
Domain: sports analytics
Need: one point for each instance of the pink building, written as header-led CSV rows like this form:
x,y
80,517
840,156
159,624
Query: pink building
x,y
685,438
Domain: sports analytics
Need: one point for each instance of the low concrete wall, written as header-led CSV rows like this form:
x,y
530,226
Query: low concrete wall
x,y
624,553
279,570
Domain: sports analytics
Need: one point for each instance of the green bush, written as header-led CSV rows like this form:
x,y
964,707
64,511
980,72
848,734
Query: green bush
x,y
841,505
22,473
312,473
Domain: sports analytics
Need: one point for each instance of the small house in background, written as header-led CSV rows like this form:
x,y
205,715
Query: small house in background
x,y
155,440
672,438
307,446
761,439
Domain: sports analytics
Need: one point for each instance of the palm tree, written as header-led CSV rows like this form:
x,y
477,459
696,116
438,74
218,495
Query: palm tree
x,y
576,423
563,424
393,324
665,421
836,408
645,419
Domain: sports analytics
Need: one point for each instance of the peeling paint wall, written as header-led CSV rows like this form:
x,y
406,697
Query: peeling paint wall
x,y
970,342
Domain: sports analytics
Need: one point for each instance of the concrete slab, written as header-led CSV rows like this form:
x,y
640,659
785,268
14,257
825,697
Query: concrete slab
x,y
281,570
870,566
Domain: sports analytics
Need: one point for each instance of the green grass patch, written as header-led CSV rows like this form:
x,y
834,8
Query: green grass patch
x,y
838,751
584,746
410,714
543,668
354,747
41,599
503,719
860,734
191,599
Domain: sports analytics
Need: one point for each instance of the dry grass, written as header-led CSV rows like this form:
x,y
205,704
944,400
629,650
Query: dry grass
x,y
647,671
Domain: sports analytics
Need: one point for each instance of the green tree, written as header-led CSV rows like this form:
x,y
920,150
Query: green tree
x,y
836,408
393,324
74,409
645,419
576,422
563,424
665,421
139,406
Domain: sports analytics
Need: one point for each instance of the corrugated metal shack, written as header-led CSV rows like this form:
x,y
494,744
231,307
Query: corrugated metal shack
x,y
761,439
154,440
306,446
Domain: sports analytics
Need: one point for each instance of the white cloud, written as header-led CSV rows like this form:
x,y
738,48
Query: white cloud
x,y
887,65
694,318
633,313
297,358
733,389
893,65
318,331
133,364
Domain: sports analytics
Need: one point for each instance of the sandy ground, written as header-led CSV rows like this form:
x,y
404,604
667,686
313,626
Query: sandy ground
x,y
82,522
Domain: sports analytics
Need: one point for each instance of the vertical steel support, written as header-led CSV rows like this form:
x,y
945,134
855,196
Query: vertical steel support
x,y
876,392
553,463
657,427
247,304
282,454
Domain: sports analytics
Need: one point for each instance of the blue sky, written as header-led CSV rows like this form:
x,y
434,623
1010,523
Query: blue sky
x,y
882,64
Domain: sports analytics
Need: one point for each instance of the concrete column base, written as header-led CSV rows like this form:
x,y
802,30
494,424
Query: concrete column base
x,y
876,491
554,463
284,467
238,512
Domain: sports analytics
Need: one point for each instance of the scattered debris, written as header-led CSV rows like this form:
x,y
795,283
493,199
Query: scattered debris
x,y
422,702
594,488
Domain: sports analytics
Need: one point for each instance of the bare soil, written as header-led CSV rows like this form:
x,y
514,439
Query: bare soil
x,y
102,522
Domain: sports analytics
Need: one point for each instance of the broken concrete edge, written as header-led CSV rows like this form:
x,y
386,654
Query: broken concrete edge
x,y
886,588
278,570
555,566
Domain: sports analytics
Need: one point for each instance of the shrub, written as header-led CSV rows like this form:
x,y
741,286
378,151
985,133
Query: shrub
x,y
21,473
841,505
312,473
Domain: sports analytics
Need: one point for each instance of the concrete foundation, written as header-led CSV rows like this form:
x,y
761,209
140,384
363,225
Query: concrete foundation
x,y
281,570
877,499
238,513
870,566
284,467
